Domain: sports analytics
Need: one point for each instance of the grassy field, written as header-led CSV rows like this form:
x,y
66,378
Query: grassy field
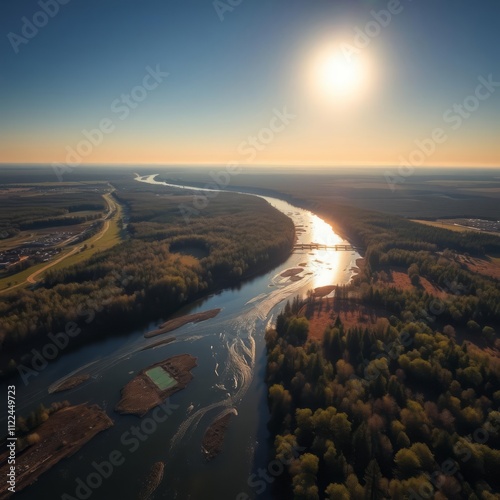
x,y
452,227
161,378
443,225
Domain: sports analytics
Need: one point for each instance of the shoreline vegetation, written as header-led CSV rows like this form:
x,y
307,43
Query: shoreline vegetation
x,y
175,323
61,435
153,274
387,383
142,394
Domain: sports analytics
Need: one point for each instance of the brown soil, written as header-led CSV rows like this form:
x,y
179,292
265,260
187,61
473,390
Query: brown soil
x,y
352,313
214,437
141,393
161,342
70,383
62,435
432,289
487,267
401,280
152,481
291,272
175,323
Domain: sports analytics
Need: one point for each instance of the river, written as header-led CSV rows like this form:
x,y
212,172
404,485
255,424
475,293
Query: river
x,y
229,378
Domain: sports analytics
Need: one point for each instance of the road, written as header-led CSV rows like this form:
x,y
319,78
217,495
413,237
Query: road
x,y
31,279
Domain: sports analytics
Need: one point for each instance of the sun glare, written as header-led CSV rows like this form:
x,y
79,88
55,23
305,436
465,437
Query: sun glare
x,y
338,76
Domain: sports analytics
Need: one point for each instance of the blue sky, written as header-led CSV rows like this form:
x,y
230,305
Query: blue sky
x,y
226,78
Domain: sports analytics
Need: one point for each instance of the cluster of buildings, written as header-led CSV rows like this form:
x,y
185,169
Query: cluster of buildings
x,y
479,224
40,250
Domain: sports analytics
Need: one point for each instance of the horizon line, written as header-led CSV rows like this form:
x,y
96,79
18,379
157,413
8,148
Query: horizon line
x,y
257,165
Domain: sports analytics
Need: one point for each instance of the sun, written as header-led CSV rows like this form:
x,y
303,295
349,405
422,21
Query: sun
x,y
339,76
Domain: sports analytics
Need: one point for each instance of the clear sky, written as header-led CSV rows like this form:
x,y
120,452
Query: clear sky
x,y
351,93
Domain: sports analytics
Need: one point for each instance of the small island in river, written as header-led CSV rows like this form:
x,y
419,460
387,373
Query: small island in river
x,y
69,383
291,272
60,436
173,324
152,481
214,436
156,383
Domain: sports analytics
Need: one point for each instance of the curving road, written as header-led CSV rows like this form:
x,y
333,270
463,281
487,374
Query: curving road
x,y
31,279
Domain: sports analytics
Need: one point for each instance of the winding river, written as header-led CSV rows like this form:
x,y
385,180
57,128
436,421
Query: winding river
x,y
229,378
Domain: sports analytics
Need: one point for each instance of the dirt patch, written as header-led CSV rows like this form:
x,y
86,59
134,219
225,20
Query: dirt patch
x,y
291,272
141,393
61,436
175,323
70,383
350,312
487,267
432,289
214,437
400,280
152,481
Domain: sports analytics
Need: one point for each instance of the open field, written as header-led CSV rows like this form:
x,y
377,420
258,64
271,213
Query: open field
x,y
444,224
161,378
350,312
488,266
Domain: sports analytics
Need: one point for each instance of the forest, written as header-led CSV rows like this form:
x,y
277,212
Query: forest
x,y
162,265
34,208
403,408
398,411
